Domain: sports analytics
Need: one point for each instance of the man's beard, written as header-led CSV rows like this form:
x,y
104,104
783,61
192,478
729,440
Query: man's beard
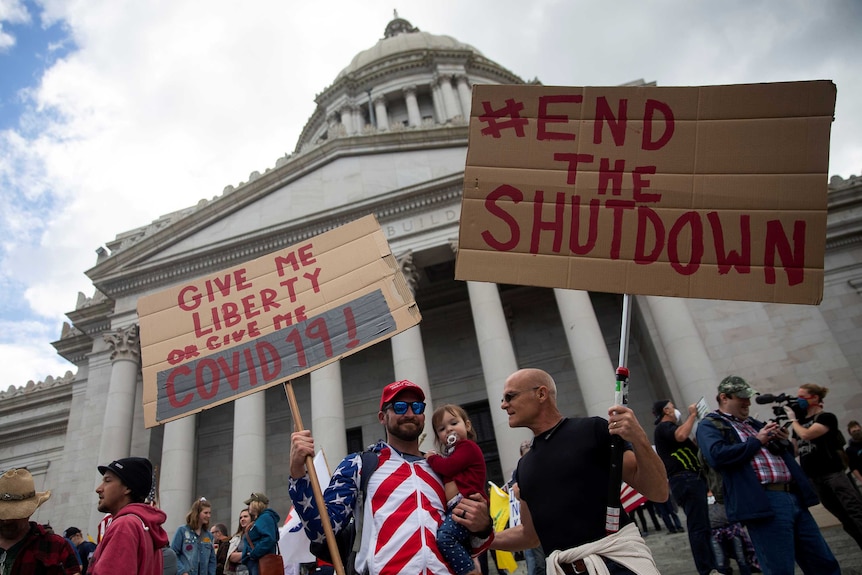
x,y
13,528
403,434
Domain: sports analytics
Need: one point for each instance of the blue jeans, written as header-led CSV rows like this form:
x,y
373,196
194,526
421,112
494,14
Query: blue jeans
x,y
689,489
535,558
790,534
669,516
453,541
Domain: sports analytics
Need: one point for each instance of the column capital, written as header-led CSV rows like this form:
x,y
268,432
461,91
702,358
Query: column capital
x,y
408,90
379,99
408,268
124,343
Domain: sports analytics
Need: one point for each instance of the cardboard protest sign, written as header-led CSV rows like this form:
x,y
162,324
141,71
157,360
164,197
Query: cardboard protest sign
x,y
709,192
235,332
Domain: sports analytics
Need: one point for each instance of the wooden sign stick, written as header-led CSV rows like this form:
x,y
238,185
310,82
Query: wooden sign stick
x,y
315,485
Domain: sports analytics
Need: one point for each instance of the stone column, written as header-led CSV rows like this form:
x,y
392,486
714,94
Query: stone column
x,y
465,95
177,471
327,412
249,448
437,99
346,112
382,115
116,439
358,119
689,361
589,353
408,353
498,363
450,103
414,116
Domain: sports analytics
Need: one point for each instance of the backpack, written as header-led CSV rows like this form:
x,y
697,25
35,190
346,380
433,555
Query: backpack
x,y
349,537
713,477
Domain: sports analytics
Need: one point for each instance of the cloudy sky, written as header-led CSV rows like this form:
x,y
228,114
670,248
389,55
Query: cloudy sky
x,y
114,112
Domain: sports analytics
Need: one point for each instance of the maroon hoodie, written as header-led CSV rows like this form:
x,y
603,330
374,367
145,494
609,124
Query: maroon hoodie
x,y
132,543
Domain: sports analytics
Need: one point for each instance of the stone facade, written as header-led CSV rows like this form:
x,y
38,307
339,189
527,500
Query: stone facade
x,y
389,137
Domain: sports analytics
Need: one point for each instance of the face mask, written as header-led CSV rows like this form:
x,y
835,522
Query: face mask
x,y
677,415
710,499
857,435
803,403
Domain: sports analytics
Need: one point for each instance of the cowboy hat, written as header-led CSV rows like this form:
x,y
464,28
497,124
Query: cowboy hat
x,y
18,496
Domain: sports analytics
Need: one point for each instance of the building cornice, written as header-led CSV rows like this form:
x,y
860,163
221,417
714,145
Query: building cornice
x,y
153,275
151,245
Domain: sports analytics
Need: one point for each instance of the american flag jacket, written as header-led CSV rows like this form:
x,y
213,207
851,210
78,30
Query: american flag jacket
x,y
403,507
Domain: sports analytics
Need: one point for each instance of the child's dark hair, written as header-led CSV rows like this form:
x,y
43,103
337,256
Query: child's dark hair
x,y
450,409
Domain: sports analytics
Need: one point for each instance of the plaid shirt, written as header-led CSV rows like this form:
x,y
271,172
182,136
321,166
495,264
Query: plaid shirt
x,y
768,467
44,553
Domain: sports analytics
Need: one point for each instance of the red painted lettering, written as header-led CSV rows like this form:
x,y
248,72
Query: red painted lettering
x,y
206,364
793,260
555,225
741,260
515,195
572,160
616,124
608,175
171,391
545,118
592,230
650,108
692,220
619,207
640,183
647,217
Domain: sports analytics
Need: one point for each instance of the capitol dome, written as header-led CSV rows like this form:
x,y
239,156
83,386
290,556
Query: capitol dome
x,y
409,80
400,36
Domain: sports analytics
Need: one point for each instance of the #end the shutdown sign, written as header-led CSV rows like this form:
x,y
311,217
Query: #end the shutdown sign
x,y
715,192
232,333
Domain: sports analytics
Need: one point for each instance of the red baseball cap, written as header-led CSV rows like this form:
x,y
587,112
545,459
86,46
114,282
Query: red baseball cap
x,y
396,387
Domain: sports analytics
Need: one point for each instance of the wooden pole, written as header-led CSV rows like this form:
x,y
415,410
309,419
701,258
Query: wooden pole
x,y
315,485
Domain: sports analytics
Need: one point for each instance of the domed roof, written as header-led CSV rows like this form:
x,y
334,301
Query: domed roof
x,y
400,36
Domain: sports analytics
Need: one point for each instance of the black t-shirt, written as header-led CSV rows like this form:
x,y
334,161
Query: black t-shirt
x,y
677,456
820,455
564,481
854,455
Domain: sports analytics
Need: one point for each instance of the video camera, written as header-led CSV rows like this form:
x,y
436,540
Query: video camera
x,y
781,401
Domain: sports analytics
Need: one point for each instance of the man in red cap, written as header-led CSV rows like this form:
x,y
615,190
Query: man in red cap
x,y
405,501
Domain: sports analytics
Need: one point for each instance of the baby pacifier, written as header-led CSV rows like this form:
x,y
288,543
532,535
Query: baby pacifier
x,y
451,439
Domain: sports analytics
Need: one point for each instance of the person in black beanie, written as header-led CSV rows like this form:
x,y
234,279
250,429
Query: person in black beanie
x,y
134,540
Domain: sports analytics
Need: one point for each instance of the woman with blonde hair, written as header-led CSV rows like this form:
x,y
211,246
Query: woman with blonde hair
x,y
262,537
193,542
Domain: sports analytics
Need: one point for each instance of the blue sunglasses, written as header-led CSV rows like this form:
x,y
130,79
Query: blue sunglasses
x,y
400,407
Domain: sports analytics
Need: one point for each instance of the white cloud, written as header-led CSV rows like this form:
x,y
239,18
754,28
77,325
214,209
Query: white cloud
x,y
164,103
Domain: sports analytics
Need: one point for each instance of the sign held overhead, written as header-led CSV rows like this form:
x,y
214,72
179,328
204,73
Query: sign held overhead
x,y
709,192
241,330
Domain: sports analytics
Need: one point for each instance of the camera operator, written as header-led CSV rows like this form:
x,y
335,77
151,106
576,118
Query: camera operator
x,y
764,487
820,452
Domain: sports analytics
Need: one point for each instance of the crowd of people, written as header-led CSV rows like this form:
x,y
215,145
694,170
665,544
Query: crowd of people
x,y
745,488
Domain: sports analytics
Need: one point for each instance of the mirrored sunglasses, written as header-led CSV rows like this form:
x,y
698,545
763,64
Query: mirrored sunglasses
x,y
400,407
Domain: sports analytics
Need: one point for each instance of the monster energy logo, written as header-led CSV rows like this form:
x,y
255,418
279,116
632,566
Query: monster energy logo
x,y
687,458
